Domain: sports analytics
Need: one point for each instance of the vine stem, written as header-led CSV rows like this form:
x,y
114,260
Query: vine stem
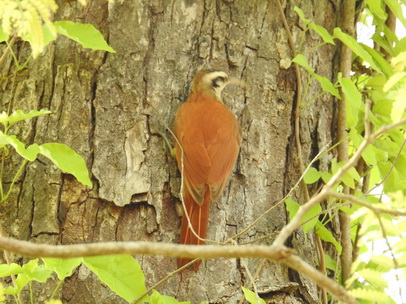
x,y
297,130
347,24
137,300
14,180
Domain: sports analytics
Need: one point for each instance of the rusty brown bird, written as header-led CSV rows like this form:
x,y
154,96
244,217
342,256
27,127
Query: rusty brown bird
x,y
210,137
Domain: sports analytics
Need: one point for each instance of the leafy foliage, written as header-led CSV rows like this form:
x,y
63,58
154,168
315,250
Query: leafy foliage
x,y
61,155
85,34
121,273
25,18
384,87
31,20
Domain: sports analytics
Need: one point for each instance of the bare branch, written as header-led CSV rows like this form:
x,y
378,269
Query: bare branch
x,y
355,200
28,249
320,279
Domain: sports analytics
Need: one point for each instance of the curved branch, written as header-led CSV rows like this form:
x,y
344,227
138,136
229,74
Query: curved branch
x,y
320,279
279,254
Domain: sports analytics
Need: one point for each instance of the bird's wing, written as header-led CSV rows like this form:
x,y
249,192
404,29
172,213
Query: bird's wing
x,y
223,155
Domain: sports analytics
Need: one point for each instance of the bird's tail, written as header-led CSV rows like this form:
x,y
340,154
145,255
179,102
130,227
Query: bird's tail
x,y
199,219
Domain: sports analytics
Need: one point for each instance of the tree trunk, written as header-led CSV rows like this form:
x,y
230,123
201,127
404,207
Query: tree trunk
x,y
110,107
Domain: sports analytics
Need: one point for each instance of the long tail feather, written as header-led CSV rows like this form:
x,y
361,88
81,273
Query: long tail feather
x,y
199,219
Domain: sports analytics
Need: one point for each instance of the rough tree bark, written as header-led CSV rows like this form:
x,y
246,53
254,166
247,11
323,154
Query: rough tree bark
x,y
109,107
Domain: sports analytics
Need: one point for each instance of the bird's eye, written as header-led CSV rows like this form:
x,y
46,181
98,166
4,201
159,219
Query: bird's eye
x,y
216,81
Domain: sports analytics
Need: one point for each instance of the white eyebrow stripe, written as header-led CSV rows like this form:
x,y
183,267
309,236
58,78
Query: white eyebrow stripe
x,y
213,75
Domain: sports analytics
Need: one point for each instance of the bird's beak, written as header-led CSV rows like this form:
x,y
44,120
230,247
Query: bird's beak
x,y
236,81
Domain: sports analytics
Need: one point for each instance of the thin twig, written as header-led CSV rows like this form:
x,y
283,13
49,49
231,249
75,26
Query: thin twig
x,y
394,260
166,278
355,200
7,50
298,93
297,116
322,267
320,279
281,201
257,272
389,171
252,280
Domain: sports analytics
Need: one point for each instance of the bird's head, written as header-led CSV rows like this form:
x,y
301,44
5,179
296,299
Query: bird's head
x,y
212,82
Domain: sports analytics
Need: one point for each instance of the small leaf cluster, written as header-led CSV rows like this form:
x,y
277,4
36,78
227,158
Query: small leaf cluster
x,y
25,19
61,155
382,252
31,21
121,273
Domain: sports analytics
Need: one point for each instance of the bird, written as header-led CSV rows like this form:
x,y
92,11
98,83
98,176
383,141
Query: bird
x,y
207,144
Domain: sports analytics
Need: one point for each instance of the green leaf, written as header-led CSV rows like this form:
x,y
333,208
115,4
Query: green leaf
x,y
301,60
329,262
393,80
85,34
121,273
36,272
382,42
351,92
10,269
3,35
369,154
292,207
325,176
356,48
67,160
62,267
31,271
20,115
374,296
41,274
376,7
393,181
251,297
48,35
312,175
327,236
353,101
157,298
373,277
399,106
327,86
380,60
301,15
21,281
323,33
381,263
30,153
354,174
